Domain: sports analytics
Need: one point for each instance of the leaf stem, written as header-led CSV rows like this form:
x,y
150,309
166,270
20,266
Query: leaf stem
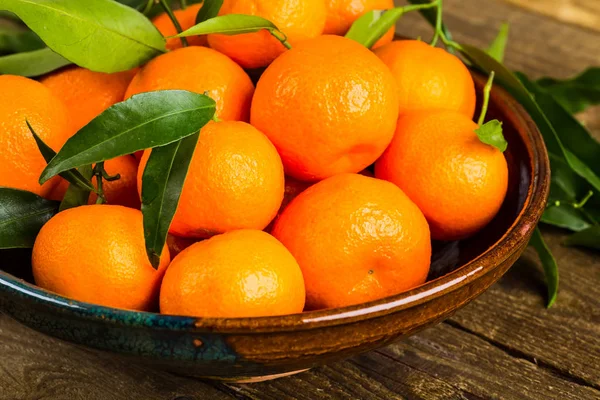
x,y
169,12
584,200
418,7
99,173
148,6
486,98
281,37
438,23
183,4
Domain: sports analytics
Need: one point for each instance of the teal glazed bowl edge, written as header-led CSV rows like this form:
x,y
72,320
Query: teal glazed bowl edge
x,y
252,349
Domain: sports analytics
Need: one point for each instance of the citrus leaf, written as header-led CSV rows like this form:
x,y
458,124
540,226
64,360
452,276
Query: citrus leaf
x,y
566,217
431,17
162,183
498,46
144,121
231,24
209,9
72,176
32,63
371,26
76,196
573,135
491,133
101,35
587,238
577,93
548,263
22,215
18,41
513,85
566,185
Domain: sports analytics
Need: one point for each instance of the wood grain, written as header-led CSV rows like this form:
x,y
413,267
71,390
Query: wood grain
x,y
585,13
505,345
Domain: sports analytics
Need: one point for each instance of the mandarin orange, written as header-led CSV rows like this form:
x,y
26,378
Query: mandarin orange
x,y
86,93
457,181
244,273
199,69
329,105
21,162
356,239
297,19
96,254
235,180
429,77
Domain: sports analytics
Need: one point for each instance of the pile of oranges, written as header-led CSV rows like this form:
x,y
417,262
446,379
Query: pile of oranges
x,y
322,186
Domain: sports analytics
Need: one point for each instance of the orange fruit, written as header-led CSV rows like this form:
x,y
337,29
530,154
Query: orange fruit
x,y
96,254
21,162
297,19
199,69
329,105
122,192
429,77
356,239
235,180
457,181
341,14
244,273
86,93
187,19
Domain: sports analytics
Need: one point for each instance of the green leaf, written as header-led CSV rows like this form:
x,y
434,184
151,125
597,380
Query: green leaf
x,y
491,133
22,215
548,263
566,190
72,176
101,35
566,185
498,46
18,41
231,24
565,216
162,183
32,63
587,238
510,82
75,195
209,9
572,134
430,16
144,121
577,93
371,26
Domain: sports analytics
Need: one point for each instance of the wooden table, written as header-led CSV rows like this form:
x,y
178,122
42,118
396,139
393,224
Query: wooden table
x,y
505,345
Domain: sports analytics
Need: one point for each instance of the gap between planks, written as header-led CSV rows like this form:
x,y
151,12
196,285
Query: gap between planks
x,y
516,353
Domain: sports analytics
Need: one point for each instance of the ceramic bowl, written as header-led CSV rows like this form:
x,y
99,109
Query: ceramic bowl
x,y
251,349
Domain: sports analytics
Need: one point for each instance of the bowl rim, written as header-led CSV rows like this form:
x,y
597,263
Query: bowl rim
x,y
516,236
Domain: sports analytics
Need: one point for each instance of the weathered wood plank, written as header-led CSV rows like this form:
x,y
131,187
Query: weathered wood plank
x,y
566,338
537,45
481,369
34,366
585,13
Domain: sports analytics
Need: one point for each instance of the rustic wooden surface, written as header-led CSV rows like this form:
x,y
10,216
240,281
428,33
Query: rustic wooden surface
x,y
505,345
580,12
